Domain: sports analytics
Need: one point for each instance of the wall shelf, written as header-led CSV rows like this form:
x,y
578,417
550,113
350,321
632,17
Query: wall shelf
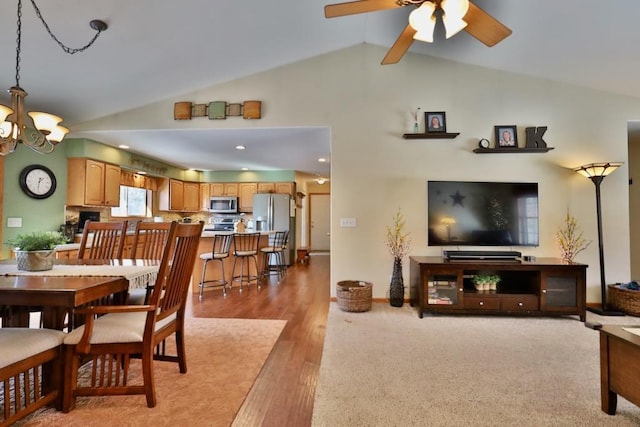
x,y
512,150
430,135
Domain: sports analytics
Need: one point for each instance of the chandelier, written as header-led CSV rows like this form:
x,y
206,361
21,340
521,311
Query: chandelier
x,y
423,19
42,131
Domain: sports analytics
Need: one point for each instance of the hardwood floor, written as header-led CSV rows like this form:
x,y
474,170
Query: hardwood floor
x,y
284,391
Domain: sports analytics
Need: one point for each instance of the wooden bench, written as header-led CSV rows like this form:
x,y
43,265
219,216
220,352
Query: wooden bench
x,y
30,371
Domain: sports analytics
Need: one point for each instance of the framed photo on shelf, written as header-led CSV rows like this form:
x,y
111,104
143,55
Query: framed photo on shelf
x,y
506,136
435,121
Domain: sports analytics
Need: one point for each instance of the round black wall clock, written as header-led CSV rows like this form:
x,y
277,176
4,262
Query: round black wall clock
x,y
37,181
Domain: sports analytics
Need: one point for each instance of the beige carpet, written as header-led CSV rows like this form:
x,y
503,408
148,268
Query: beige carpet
x,y
387,367
224,357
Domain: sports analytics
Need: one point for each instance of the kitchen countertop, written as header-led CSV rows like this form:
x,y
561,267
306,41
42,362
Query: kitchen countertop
x,y
224,232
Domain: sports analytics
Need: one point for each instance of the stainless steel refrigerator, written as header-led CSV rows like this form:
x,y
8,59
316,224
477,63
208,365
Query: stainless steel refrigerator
x,y
275,212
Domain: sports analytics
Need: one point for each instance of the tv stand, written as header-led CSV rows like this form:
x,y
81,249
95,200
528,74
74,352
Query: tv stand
x,y
544,286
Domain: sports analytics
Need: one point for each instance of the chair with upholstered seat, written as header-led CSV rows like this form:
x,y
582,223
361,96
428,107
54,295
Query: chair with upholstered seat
x,y
149,239
102,240
219,252
245,249
113,335
273,259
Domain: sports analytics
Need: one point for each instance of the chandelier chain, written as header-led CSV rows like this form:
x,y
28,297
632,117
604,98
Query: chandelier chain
x,y
18,42
65,48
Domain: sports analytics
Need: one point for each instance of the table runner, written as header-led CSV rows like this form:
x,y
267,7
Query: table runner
x,y
137,275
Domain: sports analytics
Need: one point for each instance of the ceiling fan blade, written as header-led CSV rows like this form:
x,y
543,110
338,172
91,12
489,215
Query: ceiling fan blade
x,y
484,27
362,6
400,47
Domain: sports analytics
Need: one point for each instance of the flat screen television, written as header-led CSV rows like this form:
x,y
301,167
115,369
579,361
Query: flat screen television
x,y
482,213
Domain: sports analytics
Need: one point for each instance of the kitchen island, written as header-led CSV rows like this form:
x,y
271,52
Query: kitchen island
x,y
213,268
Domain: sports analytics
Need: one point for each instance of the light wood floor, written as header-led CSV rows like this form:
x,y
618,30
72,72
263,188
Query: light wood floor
x,y
284,391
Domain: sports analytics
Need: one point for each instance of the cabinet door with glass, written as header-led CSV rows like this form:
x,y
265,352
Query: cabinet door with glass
x,y
443,289
563,291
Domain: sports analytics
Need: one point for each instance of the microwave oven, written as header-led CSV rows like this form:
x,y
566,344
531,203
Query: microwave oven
x,y
223,204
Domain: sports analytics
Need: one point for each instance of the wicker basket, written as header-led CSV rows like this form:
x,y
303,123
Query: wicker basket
x,y
625,300
354,295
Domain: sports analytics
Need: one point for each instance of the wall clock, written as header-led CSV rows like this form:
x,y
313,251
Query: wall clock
x,y
37,181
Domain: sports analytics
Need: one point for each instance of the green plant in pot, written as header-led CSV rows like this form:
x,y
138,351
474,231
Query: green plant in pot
x,y
36,251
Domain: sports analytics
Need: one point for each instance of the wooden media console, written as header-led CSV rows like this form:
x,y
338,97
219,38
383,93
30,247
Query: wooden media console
x,y
545,286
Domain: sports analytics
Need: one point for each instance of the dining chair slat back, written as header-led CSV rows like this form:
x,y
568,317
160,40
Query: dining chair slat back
x,y
102,240
149,239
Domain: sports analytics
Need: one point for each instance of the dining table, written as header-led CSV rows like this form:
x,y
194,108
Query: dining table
x,y
72,283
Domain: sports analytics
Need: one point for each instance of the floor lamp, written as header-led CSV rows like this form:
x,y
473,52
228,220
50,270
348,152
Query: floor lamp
x,y
596,173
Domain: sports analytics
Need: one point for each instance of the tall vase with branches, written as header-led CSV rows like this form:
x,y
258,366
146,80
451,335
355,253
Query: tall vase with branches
x,y
570,240
398,243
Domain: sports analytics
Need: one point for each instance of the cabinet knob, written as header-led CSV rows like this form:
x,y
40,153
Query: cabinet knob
x,y
481,302
520,304
544,291
460,289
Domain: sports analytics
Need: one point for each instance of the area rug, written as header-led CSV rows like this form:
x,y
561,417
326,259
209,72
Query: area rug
x,y
388,367
224,357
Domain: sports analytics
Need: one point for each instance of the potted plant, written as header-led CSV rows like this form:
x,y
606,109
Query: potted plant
x,y
36,251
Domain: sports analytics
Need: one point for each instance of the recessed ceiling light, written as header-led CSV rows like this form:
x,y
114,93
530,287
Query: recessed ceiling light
x,y
320,181
240,147
141,172
245,169
322,160
124,147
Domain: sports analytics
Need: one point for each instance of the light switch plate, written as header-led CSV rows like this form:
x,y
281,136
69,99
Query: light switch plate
x,y
14,222
348,222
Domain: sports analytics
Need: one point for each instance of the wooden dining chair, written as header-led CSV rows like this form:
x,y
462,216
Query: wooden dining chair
x,y
102,240
112,335
149,239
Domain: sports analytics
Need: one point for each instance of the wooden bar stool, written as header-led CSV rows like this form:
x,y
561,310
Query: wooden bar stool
x,y
245,248
220,251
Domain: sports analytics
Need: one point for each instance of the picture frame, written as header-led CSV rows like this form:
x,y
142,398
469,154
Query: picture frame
x,y
435,122
506,136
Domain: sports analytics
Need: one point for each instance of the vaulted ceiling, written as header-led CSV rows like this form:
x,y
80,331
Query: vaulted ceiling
x,y
157,49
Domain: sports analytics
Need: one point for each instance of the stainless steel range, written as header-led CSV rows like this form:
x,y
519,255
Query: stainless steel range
x,y
223,223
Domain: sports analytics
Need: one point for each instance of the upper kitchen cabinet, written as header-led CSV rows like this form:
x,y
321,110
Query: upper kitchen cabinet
x,y
175,195
216,189
246,191
205,194
276,187
191,199
231,189
92,183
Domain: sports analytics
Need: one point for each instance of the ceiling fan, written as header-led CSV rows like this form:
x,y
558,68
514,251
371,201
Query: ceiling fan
x,y
456,15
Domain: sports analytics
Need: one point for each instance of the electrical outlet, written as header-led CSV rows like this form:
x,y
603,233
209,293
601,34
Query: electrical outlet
x,y
348,222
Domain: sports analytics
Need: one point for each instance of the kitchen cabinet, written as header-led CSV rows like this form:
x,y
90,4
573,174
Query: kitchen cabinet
x,y
191,197
276,187
92,183
205,195
286,188
246,190
170,195
216,189
230,189
176,195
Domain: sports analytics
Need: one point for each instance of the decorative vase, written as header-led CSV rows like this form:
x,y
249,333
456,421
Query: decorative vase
x,y
416,129
396,288
35,260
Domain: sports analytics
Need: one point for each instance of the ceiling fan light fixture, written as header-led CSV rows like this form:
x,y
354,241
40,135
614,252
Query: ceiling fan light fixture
x,y
423,21
454,11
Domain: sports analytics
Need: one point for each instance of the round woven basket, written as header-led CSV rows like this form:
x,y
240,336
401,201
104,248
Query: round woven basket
x,y
625,300
354,295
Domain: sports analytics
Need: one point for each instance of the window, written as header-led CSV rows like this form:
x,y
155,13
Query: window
x,y
133,202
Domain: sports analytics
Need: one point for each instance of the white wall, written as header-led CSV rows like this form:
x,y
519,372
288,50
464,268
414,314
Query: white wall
x,y
374,171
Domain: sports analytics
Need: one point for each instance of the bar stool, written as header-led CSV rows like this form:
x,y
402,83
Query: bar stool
x,y
245,247
220,251
275,252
